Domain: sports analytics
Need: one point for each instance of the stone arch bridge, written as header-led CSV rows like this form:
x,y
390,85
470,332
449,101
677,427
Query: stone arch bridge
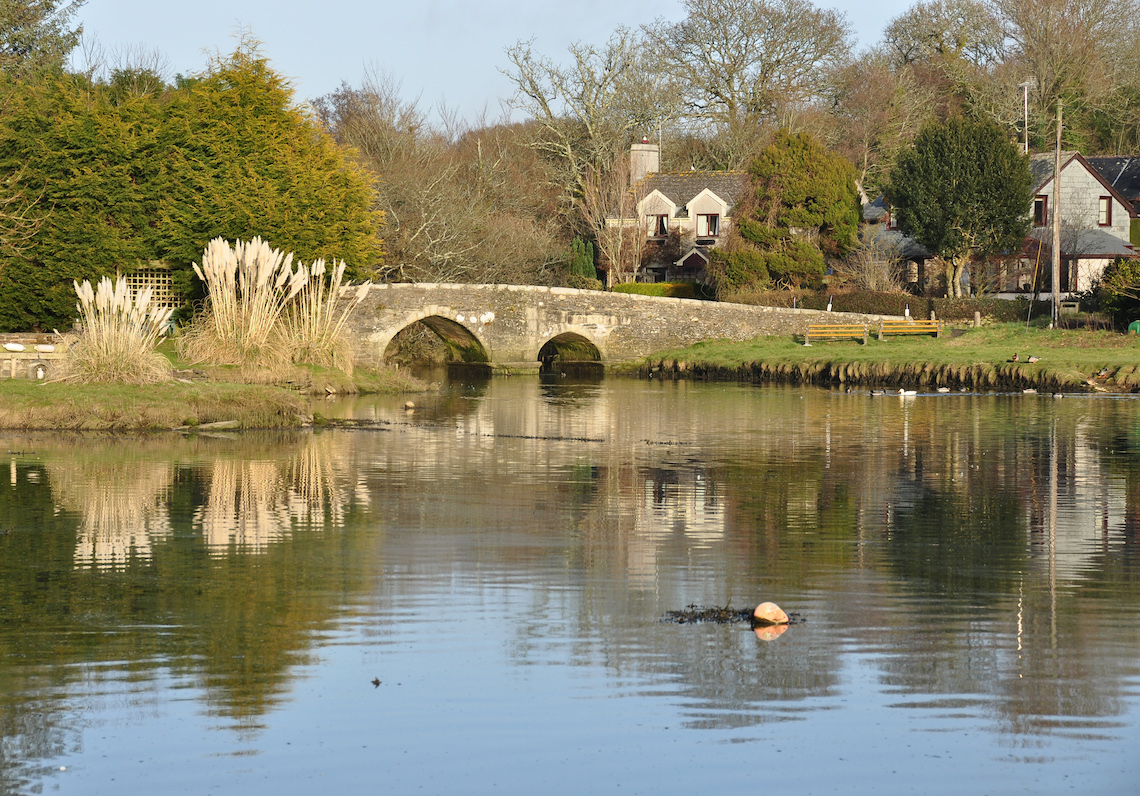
x,y
518,326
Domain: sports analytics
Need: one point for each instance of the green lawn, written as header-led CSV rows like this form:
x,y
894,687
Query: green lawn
x,y
1068,358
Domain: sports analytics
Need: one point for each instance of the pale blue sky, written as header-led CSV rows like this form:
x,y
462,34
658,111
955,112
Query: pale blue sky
x,y
439,49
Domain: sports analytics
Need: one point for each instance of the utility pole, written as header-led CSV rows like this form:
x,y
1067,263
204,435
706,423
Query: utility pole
x,y
1056,280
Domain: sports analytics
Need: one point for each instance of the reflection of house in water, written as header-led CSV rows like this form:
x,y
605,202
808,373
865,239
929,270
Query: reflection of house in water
x,y
677,510
1091,506
123,506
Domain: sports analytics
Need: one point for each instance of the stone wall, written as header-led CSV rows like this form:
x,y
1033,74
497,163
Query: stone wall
x,y
35,356
513,322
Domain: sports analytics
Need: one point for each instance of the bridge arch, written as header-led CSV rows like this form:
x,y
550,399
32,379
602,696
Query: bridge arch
x,y
569,346
463,344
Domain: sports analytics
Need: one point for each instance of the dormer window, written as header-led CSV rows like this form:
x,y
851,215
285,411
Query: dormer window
x,y
708,225
1041,211
658,225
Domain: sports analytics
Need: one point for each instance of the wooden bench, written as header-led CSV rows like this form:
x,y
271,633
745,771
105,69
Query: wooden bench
x,y
835,331
910,326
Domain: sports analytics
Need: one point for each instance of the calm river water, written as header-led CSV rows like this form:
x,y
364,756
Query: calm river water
x,y
470,598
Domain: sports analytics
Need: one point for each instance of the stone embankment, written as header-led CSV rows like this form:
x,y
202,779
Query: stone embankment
x,y
918,375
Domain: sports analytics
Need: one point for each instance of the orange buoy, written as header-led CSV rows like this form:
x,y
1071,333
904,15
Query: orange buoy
x,y
769,614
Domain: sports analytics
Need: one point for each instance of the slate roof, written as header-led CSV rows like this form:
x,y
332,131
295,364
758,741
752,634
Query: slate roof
x,y
904,246
1122,173
1041,166
682,186
876,211
1090,243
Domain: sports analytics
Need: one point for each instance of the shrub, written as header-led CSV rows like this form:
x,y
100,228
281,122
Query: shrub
x,y
580,260
1001,310
118,337
663,289
583,283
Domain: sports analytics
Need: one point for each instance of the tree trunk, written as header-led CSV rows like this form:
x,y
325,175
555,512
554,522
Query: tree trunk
x,y
954,269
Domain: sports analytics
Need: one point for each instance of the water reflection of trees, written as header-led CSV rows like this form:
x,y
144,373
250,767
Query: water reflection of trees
x,y
112,557
970,542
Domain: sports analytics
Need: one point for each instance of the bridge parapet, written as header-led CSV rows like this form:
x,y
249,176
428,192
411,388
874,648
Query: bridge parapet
x,y
510,324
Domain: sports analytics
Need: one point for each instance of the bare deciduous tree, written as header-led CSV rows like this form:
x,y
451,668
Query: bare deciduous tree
x,y
946,32
1076,50
875,264
875,111
608,205
457,208
589,109
743,64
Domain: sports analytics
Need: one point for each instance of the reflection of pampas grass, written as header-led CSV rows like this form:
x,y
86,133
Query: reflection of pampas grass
x,y
119,335
248,285
317,318
123,505
319,479
245,508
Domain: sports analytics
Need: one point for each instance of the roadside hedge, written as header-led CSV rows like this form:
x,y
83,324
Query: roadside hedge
x,y
871,303
664,289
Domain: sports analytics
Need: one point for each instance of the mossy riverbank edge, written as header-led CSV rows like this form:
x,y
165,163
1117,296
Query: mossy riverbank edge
x,y
983,359
182,405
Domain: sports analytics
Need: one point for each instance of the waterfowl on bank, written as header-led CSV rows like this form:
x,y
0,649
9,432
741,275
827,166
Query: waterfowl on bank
x,y
1033,359
1014,358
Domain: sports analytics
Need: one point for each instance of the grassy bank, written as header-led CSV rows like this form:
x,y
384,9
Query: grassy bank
x,y
214,395
74,407
977,359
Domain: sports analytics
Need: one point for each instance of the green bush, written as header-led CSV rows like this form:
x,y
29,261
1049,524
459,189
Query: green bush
x,y
871,303
1001,310
664,289
114,181
580,260
584,283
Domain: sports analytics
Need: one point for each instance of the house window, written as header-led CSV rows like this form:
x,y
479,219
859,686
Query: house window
x,y
708,225
658,225
1104,212
892,222
1041,211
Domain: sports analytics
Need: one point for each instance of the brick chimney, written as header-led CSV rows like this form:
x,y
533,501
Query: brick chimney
x,y
644,158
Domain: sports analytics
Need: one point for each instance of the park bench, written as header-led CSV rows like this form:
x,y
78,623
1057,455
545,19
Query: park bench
x,y
835,331
909,326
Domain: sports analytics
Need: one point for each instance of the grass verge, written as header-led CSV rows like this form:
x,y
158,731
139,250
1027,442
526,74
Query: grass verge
x,y
1072,360
117,407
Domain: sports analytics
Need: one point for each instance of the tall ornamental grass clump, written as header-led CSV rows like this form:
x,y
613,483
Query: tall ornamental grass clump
x,y
118,336
248,286
316,319
263,313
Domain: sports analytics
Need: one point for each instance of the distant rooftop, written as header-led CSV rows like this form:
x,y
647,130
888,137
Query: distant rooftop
x,y
682,186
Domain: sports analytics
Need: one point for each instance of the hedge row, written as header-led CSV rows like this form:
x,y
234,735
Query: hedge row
x,y
947,309
665,289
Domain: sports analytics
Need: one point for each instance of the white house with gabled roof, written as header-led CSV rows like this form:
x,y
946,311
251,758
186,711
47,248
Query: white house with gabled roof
x,y
694,206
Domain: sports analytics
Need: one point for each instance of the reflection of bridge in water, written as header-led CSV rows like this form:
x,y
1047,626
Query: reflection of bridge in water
x,y
516,326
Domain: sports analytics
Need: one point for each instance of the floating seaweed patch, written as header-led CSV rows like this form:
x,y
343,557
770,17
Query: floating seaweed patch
x,y
726,615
